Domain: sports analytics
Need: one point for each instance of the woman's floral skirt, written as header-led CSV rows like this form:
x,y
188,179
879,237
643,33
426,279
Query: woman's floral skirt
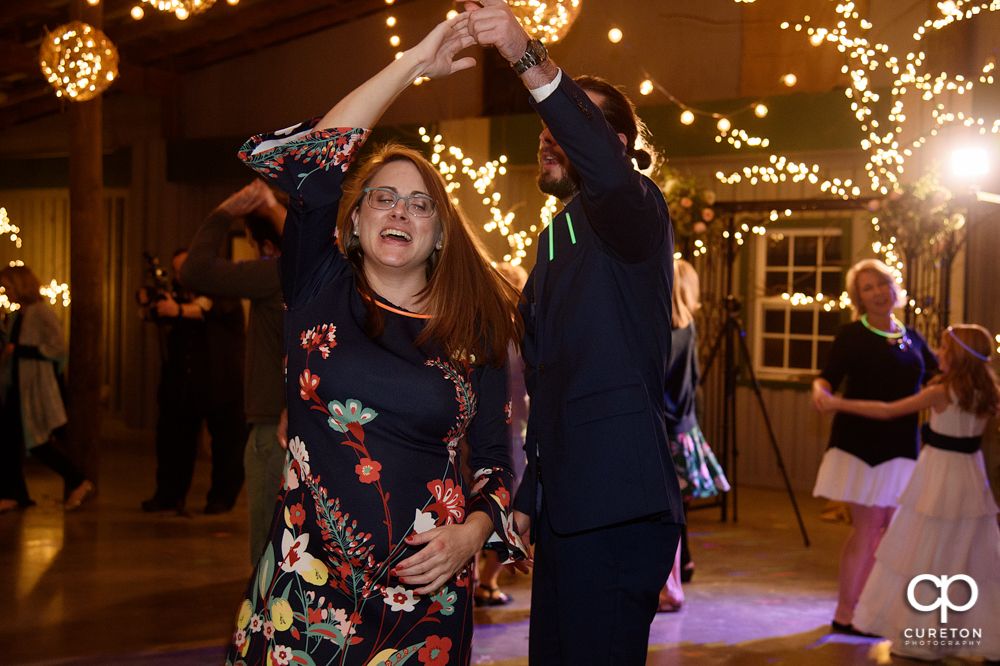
x,y
698,471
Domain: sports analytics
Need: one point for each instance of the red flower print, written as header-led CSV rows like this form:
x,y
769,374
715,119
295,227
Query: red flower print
x,y
450,504
307,386
503,496
368,470
322,338
435,651
296,515
315,615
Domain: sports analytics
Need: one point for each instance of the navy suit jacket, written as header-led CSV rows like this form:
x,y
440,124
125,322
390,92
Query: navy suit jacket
x,y
597,336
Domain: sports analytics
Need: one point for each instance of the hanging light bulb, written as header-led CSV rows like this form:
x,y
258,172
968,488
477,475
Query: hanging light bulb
x,y
137,12
789,80
724,125
182,9
615,35
760,110
687,117
646,87
546,20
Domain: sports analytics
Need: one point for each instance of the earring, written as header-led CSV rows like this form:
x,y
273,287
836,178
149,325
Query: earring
x,y
355,232
439,245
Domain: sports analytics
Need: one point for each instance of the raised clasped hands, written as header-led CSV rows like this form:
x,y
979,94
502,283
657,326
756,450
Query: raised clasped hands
x,y
254,196
436,52
491,23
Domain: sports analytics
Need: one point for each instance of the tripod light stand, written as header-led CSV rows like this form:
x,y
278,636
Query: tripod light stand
x,y
732,340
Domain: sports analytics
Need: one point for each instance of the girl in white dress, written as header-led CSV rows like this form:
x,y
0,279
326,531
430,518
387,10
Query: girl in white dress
x,y
946,524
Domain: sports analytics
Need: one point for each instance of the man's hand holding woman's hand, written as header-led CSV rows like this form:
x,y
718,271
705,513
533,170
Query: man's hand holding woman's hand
x,y
491,23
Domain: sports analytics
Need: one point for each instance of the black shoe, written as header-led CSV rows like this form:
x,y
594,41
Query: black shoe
x,y
849,629
156,504
215,507
687,572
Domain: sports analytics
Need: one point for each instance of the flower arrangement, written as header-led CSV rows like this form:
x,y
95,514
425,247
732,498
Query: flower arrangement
x,y
691,207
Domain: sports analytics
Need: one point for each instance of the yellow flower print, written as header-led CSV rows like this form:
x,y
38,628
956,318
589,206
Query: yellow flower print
x,y
317,574
281,614
246,612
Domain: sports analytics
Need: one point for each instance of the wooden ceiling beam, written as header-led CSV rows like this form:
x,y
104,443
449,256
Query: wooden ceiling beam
x,y
13,12
17,58
28,109
228,24
271,35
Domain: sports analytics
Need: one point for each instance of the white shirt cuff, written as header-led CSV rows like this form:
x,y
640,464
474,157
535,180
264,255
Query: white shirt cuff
x,y
541,93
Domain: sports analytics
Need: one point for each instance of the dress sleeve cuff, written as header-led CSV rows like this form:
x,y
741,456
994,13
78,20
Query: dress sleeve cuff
x,y
289,157
490,495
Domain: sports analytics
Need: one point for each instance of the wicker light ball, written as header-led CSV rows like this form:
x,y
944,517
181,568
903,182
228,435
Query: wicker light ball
x,y
79,61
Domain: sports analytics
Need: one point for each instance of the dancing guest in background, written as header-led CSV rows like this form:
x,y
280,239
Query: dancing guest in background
x,y
396,343
946,524
869,462
31,406
698,471
259,281
488,592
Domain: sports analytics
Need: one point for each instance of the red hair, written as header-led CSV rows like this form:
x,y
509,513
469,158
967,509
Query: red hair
x,y
971,379
474,307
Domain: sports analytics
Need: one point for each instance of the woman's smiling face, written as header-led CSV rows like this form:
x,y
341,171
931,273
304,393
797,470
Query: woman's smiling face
x,y
394,239
876,293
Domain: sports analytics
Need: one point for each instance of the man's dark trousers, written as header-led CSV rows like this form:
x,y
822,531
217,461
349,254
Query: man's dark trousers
x,y
596,606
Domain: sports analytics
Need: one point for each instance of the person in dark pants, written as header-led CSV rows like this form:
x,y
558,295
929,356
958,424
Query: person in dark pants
x,y
600,493
258,280
201,380
31,406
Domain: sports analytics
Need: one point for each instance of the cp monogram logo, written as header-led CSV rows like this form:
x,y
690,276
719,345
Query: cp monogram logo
x,y
943,602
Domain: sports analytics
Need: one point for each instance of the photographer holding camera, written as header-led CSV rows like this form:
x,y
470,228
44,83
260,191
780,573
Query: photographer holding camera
x,y
201,379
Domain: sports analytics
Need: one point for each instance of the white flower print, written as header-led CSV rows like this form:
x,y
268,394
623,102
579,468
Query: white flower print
x,y
423,522
400,599
293,553
298,450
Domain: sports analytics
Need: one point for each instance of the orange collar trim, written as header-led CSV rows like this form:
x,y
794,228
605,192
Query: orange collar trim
x,y
397,310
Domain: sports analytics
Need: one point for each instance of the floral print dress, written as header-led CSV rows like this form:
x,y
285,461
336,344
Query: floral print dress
x,y
374,427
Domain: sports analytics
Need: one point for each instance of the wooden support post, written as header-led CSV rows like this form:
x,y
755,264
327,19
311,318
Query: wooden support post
x,y
88,267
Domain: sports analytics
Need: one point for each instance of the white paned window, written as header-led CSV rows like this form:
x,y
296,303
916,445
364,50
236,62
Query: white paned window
x,y
799,271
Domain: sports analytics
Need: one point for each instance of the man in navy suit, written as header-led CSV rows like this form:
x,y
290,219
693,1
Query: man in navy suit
x,y
600,494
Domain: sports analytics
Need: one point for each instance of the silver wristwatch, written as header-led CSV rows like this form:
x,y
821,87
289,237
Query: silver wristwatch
x,y
535,54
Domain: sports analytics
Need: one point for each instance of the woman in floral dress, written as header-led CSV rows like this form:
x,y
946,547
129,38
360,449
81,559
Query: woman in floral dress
x,y
396,343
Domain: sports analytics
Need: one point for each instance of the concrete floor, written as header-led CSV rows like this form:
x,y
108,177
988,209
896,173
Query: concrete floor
x,y
110,585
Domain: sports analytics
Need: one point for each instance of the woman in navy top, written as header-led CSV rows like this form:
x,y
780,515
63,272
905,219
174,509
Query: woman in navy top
x,y
396,343
869,462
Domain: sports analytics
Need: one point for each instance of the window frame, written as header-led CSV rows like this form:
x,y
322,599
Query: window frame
x,y
762,303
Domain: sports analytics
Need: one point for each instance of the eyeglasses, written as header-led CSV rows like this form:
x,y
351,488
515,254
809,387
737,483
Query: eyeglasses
x,y
418,205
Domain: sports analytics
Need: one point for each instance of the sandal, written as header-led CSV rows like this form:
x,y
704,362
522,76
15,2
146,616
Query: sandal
x,y
493,596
